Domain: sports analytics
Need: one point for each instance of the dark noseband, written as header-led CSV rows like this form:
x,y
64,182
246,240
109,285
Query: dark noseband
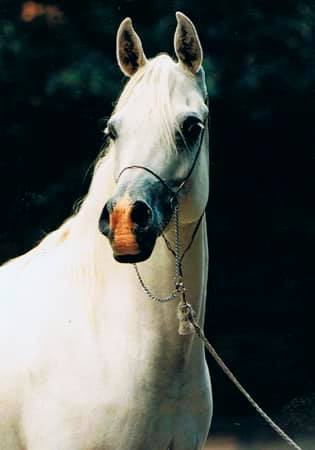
x,y
173,193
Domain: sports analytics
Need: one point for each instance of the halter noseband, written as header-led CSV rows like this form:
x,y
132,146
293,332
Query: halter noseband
x,y
185,327
173,194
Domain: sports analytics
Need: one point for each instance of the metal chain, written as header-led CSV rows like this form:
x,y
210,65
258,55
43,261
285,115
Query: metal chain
x,y
152,296
178,278
178,270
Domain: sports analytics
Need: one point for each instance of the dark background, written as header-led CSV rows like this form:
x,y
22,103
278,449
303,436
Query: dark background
x,y
58,82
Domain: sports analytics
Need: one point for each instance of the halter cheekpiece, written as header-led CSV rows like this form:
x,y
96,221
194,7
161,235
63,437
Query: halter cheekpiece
x,y
185,311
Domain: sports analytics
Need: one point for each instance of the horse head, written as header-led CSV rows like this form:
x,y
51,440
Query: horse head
x,y
158,138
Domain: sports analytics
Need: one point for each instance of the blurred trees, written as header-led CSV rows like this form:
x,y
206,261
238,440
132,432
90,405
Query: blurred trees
x,y
58,74
58,82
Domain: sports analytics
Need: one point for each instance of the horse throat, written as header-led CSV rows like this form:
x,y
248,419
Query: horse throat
x,y
128,314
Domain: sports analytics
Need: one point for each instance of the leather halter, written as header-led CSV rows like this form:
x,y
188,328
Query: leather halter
x,y
173,194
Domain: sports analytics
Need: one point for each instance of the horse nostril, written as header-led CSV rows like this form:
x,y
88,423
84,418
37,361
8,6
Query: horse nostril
x,y
104,220
141,214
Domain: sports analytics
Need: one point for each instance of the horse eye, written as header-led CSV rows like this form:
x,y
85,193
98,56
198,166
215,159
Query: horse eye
x,y
191,128
110,131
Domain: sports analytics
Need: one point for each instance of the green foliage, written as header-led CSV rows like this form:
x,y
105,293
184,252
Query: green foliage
x,y
58,81
247,46
59,76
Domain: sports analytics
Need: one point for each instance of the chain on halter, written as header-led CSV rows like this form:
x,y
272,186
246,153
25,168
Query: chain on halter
x,y
178,278
174,293
184,309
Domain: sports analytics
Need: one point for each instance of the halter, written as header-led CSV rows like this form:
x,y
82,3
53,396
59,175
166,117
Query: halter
x,y
160,179
184,309
185,313
173,194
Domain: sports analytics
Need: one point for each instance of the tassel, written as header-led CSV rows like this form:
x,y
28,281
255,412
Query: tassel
x,y
184,312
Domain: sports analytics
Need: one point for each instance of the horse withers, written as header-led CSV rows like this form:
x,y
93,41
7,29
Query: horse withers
x,y
88,359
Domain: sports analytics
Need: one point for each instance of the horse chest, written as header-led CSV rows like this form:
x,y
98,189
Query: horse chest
x,y
100,407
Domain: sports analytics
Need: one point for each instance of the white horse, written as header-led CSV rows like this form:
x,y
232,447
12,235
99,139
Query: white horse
x,y
88,360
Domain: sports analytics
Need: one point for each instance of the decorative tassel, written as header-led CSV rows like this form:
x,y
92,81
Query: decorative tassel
x,y
184,312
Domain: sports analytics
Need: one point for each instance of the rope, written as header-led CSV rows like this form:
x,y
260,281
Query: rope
x,y
185,313
191,317
188,324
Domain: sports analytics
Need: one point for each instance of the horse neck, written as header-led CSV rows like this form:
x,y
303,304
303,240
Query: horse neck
x,y
117,295
122,306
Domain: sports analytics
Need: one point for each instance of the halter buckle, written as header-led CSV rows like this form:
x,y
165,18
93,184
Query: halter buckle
x,y
174,201
179,285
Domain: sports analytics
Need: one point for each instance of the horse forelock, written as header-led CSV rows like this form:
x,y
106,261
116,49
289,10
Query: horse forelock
x,y
149,92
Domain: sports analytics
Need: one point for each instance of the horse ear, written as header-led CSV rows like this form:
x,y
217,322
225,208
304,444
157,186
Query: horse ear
x,y
187,45
130,53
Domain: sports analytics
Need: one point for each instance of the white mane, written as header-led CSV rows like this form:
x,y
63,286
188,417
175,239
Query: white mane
x,y
148,92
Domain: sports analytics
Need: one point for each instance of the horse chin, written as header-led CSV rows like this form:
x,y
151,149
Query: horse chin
x,y
145,249
132,259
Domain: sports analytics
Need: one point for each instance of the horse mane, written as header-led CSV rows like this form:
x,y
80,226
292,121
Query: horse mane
x,y
147,92
64,254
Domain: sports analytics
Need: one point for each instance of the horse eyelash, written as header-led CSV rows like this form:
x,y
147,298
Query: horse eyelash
x,y
106,134
110,132
105,140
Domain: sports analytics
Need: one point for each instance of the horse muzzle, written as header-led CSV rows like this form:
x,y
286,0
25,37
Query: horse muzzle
x,y
130,227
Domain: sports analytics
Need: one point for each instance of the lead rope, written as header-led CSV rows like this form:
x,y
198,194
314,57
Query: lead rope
x,y
231,376
188,324
178,277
